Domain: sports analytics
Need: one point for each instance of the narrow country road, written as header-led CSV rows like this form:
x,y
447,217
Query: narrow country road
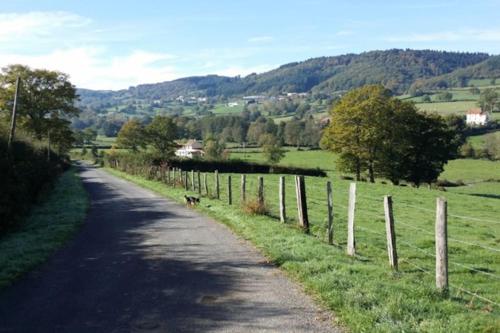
x,y
142,263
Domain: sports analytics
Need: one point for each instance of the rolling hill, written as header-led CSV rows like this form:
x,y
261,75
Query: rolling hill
x,y
396,69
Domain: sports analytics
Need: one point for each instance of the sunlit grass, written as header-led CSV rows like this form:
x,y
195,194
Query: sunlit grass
x,y
363,291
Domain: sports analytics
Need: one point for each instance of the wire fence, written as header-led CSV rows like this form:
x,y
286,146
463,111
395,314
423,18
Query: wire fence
x,y
370,227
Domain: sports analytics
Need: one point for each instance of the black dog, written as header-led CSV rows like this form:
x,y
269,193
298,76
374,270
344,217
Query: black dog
x,y
191,200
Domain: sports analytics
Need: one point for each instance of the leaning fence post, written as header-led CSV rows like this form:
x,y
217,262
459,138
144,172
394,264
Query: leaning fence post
x,y
300,190
186,180
351,241
329,203
199,182
243,188
261,191
441,245
282,200
229,191
391,233
217,185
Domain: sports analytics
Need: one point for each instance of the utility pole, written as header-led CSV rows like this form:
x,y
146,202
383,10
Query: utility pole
x,y
14,112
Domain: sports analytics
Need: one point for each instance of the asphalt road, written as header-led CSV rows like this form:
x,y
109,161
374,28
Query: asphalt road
x,y
142,263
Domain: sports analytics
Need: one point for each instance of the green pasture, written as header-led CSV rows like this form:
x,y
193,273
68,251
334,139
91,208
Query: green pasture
x,y
366,295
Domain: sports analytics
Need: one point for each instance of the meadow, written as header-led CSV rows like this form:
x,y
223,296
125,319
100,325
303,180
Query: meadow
x,y
364,292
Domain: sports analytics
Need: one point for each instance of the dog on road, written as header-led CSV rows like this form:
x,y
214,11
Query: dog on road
x,y
191,201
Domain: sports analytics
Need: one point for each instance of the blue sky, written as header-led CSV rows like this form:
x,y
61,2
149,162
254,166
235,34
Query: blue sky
x,y
115,44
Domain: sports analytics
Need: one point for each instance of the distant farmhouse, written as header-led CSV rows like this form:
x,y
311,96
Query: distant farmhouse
x,y
191,149
477,117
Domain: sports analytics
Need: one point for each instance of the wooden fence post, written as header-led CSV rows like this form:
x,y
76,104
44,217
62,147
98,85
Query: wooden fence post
x,y
174,176
193,184
260,192
217,185
351,241
229,191
243,188
168,175
199,182
441,244
205,181
329,203
300,190
186,180
282,200
391,233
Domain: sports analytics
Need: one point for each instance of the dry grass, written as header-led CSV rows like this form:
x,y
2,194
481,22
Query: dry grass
x,y
255,207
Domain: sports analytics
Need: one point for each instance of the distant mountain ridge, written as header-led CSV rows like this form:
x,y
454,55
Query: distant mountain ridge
x,y
396,69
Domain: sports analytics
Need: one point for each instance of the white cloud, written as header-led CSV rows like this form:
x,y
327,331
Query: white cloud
x,y
89,68
261,39
450,36
16,26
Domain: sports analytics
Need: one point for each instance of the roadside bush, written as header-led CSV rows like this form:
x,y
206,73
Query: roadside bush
x,y
24,173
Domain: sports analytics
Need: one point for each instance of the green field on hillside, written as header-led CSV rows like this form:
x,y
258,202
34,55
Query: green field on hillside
x,y
363,291
478,141
225,109
446,108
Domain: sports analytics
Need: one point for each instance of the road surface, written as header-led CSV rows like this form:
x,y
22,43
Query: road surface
x,y
142,263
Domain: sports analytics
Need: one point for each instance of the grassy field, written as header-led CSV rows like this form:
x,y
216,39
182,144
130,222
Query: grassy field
x,y
104,140
224,109
363,291
478,141
48,227
479,175
446,108
305,158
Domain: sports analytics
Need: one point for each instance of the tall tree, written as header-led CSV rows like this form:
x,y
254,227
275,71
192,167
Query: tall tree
x,y
354,130
44,98
271,148
161,133
489,100
131,135
388,137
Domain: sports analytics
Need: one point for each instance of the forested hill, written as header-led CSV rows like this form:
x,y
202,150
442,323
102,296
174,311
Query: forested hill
x,y
396,69
487,69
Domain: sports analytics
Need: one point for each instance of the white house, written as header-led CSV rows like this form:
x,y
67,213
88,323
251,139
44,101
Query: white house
x,y
477,117
191,149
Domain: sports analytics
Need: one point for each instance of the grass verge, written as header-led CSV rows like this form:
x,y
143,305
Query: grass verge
x,y
47,228
365,295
